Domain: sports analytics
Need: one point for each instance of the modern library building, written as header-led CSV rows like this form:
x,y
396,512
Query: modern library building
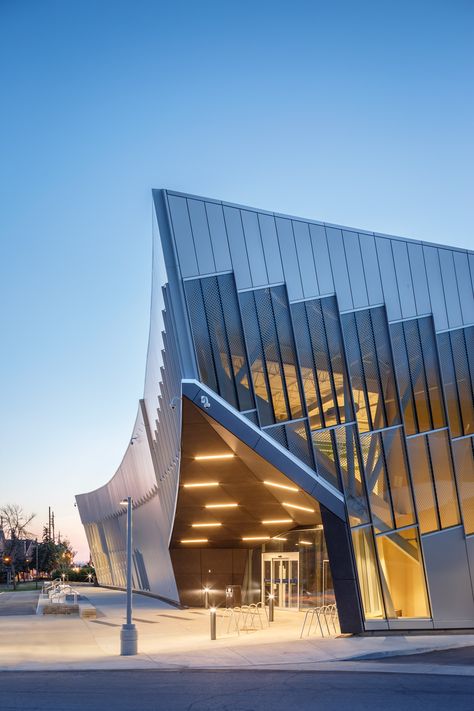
x,y
306,426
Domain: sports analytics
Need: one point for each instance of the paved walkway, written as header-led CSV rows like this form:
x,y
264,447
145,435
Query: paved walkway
x,y
18,603
179,639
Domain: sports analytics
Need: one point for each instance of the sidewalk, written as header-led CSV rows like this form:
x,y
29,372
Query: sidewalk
x,y
171,639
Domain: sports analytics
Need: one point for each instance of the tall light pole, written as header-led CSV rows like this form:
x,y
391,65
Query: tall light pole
x,y
128,633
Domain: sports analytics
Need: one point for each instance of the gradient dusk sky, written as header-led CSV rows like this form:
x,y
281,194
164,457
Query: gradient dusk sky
x,y
359,113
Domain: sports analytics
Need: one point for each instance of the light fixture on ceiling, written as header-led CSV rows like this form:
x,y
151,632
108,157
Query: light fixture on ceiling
x,y
278,520
198,484
279,538
209,457
280,486
305,543
300,508
256,538
205,525
194,540
221,506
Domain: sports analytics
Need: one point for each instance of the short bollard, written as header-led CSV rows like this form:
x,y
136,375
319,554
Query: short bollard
x,y
213,611
271,608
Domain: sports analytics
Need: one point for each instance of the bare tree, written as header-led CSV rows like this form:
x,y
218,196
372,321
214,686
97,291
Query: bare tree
x,y
15,524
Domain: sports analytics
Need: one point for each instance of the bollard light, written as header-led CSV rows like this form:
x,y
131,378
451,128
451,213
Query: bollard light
x,y
213,615
206,597
271,608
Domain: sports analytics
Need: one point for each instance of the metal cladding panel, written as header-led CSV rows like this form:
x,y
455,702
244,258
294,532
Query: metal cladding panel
x,y
183,236
371,269
404,280
466,292
305,259
253,242
435,286
238,250
449,583
321,259
389,278
471,269
420,282
218,233
451,295
356,269
202,238
339,268
271,248
290,259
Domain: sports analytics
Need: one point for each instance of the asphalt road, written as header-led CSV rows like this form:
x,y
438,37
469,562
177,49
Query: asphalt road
x,y
233,691
18,603
462,656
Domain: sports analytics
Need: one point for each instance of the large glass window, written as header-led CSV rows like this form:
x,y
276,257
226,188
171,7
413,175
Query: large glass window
x,y
321,357
351,474
387,479
433,481
456,350
218,338
368,574
294,437
371,369
403,579
417,370
464,460
269,338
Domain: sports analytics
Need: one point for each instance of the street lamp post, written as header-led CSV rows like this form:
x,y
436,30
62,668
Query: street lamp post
x,y
128,633
36,581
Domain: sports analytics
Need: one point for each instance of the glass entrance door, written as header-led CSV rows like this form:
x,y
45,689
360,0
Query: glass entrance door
x,y
280,578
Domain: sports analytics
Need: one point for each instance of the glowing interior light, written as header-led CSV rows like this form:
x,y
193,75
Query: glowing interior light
x,y
256,538
278,520
306,543
280,486
194,540
221,506
279,538
300,508
200,483
207,457
205,525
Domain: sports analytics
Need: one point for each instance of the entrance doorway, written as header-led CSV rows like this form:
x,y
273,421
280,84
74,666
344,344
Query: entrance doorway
x,y
280,577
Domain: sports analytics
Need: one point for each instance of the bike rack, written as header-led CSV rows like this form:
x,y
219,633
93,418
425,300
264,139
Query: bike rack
x,y
328,613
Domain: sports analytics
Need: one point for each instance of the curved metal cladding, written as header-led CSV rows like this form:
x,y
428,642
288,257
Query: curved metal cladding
x,y
352,350
149,471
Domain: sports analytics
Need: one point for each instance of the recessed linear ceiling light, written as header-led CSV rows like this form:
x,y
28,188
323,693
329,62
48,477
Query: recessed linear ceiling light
x,y
280,486
300,508
194,540
278,520
205,457
221,506
199,484
305,543
279,538
205,525
256,538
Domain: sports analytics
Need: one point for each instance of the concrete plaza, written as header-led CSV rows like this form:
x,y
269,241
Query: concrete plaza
x,y
172,639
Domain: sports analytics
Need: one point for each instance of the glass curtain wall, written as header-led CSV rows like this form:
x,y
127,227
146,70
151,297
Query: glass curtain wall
x,y
273,364
418,375
371,369
456,350
321,357
218,338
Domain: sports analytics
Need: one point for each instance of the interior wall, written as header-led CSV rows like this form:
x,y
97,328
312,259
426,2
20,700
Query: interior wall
x,y
215,568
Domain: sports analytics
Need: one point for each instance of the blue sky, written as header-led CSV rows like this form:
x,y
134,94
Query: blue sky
x,y
356,113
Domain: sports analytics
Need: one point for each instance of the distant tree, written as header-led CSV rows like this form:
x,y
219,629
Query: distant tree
x,y
15,526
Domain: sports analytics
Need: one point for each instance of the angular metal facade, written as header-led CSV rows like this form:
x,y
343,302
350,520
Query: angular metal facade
x,y
353,351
